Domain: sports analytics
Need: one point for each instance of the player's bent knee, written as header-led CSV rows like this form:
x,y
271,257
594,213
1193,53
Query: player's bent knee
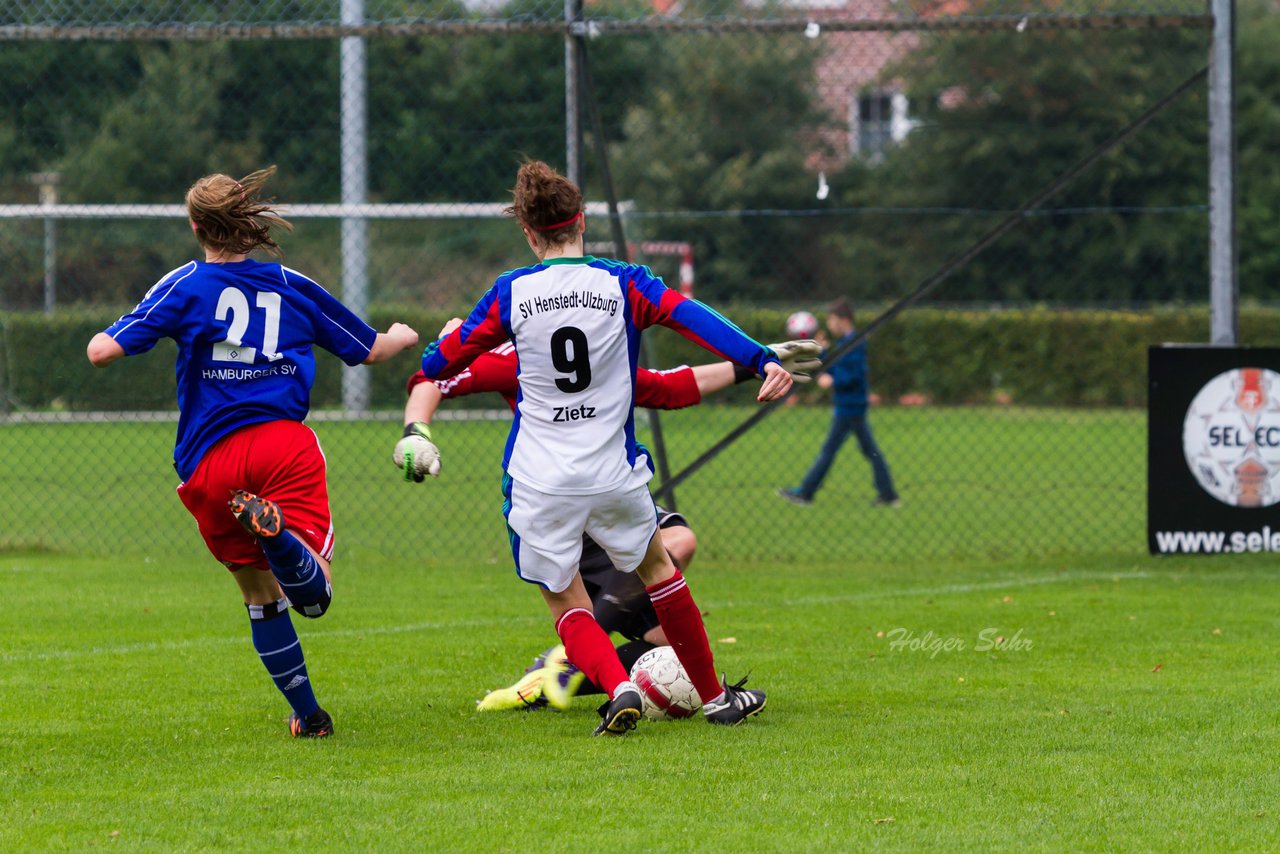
x,y
681,544
656,636
315,610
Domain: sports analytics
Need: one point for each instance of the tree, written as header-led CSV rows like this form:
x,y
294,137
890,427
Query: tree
x,y
727,127
1003,114
1258,134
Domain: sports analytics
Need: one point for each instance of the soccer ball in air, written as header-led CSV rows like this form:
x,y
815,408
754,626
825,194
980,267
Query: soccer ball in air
x,y
802,324
665,688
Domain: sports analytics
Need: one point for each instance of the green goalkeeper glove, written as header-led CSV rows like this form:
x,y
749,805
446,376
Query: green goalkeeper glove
x,y
416,455
799,358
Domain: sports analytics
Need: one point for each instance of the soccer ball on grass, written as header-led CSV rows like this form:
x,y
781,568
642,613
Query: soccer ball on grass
x,y
664,686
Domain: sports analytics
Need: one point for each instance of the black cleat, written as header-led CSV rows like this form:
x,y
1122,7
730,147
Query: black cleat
x,y
317,725
738,704
260,516
620,714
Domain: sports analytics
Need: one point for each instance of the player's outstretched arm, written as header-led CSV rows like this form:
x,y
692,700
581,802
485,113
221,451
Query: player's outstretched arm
x,y
398,337
103,350
483,329
424,400
415,455
653,302
800,358
718,376
777,382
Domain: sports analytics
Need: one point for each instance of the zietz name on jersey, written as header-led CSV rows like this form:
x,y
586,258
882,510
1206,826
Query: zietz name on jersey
x,y
573,413
573,299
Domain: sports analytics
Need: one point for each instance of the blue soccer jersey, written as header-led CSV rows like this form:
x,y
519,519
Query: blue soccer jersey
x,y
245,332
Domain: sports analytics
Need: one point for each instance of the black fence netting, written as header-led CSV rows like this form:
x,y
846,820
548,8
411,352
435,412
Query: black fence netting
x,y
767,158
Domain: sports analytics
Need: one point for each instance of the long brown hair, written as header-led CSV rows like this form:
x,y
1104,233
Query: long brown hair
x,y
230,217
547,202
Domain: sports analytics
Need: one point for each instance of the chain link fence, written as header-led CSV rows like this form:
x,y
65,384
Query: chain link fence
x,y
769,156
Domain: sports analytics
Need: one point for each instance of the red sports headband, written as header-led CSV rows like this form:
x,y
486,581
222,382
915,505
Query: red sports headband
x,y
570,221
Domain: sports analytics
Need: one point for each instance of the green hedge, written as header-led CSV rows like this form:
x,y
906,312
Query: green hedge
x,y
1036,356
43,366
1033,357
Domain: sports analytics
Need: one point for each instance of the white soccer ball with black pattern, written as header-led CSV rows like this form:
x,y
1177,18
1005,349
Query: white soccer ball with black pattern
x,y
802,324
664,686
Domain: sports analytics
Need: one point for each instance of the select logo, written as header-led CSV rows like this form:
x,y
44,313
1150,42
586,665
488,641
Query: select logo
x,y
1231,437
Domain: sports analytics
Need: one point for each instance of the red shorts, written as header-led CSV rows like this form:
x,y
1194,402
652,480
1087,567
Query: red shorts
x,y
280,460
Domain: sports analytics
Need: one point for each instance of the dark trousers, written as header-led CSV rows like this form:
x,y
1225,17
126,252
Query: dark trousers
x,y
841,427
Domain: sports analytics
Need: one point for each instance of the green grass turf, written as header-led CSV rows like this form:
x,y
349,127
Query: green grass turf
x,y
1142,717
134,712
985,481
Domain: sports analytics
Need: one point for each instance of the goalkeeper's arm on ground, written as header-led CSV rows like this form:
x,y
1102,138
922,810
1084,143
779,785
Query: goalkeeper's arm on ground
x,y
415,455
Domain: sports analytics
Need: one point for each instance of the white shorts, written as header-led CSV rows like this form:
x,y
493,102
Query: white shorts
x,y
546,530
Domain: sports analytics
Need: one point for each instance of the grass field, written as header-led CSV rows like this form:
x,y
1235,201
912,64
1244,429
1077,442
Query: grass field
x,y
1140,717
1130,706
976,481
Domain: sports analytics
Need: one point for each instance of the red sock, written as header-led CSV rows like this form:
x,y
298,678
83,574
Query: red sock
x,y
682,623
589,648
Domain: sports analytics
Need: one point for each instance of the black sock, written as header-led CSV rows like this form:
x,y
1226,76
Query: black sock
x,y
628,653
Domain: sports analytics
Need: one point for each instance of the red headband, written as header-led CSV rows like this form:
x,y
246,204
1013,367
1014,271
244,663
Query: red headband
x,y
570,221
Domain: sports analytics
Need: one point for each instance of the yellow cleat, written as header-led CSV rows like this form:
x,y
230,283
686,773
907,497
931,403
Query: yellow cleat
x,y
525,694
560,679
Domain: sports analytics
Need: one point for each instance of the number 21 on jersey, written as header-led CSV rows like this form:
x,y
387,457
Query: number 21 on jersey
x,y
233,304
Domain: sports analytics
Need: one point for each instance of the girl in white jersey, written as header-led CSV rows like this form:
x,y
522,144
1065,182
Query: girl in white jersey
x,y
572,461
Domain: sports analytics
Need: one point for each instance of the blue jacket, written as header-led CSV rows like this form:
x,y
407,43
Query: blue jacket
x,y
850,377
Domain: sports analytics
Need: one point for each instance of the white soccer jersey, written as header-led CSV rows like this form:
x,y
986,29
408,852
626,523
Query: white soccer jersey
x,y
576,326
577,383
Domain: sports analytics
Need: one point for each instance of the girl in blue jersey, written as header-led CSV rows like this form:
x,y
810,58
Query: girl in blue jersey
x,y
253,475
572,460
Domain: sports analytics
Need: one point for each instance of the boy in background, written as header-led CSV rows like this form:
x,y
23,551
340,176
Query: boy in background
x,y
847,376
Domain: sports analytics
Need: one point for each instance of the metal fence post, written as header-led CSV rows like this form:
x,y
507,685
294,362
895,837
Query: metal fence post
x,y
1223,268
355,184
573,91
48,184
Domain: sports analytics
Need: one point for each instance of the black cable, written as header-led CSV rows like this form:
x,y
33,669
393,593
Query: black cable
x,y
1051,189
620,251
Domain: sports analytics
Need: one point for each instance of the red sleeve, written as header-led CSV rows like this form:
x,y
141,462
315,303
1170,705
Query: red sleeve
x,y
458,385
492,371
483,329
418,377
496,371
653,302
673,389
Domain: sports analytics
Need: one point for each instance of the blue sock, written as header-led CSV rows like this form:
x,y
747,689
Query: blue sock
x,y
300,577
281,652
